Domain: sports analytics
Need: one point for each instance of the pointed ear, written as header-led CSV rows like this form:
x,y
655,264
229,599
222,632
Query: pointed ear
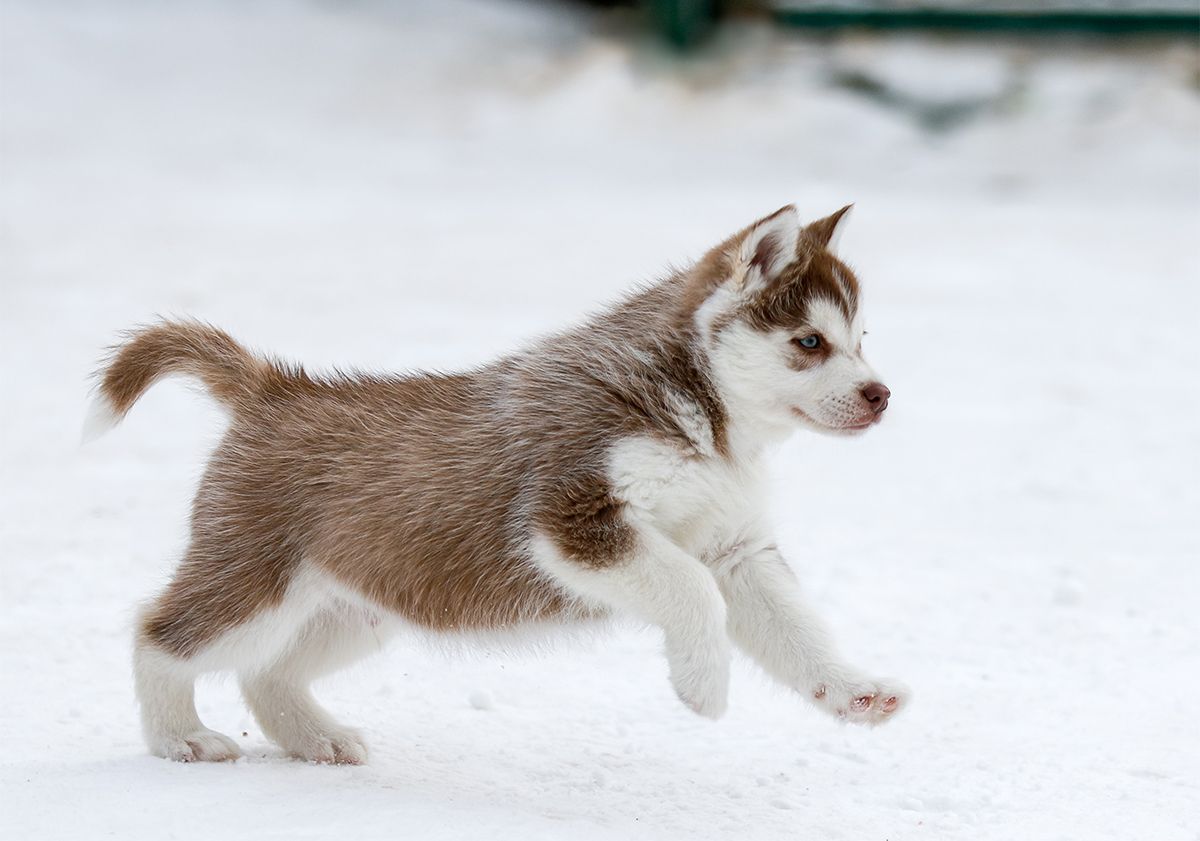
x,y
767,248
828,231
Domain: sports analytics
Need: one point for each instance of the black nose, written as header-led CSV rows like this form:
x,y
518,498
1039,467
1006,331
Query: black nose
x,y
877,395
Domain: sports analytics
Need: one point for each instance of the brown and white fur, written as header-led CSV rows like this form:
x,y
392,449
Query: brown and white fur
x,y
613,468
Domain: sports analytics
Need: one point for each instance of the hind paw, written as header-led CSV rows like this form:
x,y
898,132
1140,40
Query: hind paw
x,y
342,746
202,745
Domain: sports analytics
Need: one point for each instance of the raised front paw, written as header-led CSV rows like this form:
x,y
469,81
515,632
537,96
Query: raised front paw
x,y
860,700
700,675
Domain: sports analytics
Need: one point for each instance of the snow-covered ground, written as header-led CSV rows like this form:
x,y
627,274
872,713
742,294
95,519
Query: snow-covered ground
x,y
395,185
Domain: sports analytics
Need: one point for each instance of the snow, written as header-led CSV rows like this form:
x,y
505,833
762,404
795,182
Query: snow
x,y
428,184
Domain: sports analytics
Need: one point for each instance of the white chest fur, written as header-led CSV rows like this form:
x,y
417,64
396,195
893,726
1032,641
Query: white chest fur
x,y
706,505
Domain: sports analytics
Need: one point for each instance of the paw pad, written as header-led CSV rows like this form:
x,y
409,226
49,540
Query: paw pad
x,y
858,700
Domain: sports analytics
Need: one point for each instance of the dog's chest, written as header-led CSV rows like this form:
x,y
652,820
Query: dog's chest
x,y
704,504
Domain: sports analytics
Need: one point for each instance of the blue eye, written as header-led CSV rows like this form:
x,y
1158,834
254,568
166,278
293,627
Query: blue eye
x,y
809,342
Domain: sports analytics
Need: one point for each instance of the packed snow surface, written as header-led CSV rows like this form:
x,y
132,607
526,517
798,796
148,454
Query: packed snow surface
x,y
405,185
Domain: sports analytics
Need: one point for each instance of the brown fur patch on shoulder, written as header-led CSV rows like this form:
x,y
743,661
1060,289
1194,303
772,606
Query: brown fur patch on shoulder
x,y
586,521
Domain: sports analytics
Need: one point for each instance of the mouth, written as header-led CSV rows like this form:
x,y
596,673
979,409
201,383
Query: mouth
x,y
844,429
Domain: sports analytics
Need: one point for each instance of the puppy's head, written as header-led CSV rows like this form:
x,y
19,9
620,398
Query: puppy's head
x,y
780,320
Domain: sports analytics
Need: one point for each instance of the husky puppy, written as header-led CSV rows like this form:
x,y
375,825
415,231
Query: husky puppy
x,y
616,467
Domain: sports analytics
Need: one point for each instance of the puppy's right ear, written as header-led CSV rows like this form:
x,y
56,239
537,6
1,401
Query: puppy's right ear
x,y
826,232
766,249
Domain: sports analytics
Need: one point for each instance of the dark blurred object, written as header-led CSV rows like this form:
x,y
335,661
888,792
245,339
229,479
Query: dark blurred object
x,y
1103,17
685,23
681,23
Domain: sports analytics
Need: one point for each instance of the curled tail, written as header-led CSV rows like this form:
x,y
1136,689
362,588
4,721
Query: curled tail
x,y
233,375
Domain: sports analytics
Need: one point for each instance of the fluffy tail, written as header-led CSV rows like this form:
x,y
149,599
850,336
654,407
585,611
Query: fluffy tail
x,y
233,375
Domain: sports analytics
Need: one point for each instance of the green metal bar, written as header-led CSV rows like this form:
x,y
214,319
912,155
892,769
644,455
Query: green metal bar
x,y
1100,23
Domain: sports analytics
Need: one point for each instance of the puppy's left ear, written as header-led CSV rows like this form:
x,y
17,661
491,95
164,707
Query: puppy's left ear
x,y
828,231
767,248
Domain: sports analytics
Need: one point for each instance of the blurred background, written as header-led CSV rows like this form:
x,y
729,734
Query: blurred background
x,y
392,185
157,149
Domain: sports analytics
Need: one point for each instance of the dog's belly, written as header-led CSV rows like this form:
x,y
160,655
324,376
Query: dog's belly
x,y
706,505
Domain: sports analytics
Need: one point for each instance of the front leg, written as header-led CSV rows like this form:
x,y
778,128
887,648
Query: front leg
x,y
770,621
659,583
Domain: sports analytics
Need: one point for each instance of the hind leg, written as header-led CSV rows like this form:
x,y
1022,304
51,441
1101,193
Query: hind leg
x,y
165,690
280,698
207,622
